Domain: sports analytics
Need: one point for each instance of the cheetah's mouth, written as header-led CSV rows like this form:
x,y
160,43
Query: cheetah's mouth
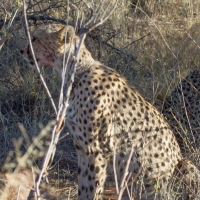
x,y
31,65
30,57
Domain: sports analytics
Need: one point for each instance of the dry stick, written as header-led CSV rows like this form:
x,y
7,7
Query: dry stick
x,y
177,62
138,173
63,108
102,20
12,19
8,35
183,78
22,160
61,112
99,7
5,18
49,94
184,106
30,150
63,104
70,80
133,180
34,59
65,64
122,186
18,192
114,169
69,193
34,185
70,77
185,139
66,61
157,29
179,74
47,158
64,136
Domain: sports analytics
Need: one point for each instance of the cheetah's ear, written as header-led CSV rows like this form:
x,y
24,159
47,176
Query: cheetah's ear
x,y
66,31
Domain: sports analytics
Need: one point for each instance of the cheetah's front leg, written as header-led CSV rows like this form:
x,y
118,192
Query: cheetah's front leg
x,y
91,176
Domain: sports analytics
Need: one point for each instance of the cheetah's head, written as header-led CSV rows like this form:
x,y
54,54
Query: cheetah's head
x,y
49,44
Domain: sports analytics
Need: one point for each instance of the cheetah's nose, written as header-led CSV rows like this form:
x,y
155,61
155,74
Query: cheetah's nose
x,y
21,51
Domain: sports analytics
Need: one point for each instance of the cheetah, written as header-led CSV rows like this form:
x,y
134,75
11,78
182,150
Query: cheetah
x,y
107,119
182,111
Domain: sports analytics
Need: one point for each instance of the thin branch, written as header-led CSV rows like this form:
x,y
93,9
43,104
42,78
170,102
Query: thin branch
x,y
114,169
105,11
99,7
58,127
68,79
123,181
103,20
34,59
89,20
68,75
12,18
157,30
119,51
8,34
61,111
137,40
65,62
6,15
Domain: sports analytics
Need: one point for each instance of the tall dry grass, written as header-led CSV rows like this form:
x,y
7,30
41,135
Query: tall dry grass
x,y
149,42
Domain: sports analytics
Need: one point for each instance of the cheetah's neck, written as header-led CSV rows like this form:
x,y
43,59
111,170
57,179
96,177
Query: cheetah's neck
x,y
84,63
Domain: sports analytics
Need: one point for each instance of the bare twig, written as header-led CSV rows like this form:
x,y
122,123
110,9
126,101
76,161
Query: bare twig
x,y
68,75
6,29
18,192
157,30
68,79
63,105
65,64
12,18
22,160
92,23
119,51
114,169
33,18
126,173
34,59
34,178
5,18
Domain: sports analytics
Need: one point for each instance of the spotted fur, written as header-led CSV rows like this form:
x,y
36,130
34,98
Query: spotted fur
x,y
182,110
106,115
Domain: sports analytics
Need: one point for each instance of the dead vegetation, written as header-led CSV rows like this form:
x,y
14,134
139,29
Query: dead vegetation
x,y
152,44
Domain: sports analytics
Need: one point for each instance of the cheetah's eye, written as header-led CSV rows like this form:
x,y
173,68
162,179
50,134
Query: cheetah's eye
x,y
33,39
29,55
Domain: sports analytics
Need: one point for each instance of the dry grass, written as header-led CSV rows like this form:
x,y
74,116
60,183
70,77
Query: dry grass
x,y
150,44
